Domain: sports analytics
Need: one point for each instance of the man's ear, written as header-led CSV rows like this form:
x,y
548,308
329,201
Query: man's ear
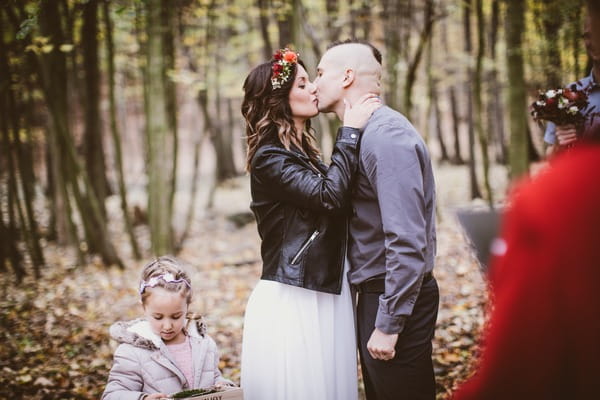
x,y
348,77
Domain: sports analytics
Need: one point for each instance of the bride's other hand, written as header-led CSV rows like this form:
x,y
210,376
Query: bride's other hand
x,y
357,115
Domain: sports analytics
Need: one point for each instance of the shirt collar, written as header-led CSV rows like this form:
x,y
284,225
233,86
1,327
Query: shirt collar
x,y
592,82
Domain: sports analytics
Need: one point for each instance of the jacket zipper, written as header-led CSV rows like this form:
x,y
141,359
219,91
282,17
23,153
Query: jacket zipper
x,y
304,247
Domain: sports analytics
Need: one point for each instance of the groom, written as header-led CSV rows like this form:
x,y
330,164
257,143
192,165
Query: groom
x,y
391,244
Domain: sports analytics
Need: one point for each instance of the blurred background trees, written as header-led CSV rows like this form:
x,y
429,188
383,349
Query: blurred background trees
x,y
129,99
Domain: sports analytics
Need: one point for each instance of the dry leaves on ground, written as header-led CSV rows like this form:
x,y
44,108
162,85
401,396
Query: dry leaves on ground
x,y
55,341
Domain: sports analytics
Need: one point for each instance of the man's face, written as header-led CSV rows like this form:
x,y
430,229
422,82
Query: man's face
x,y
329,82
591,39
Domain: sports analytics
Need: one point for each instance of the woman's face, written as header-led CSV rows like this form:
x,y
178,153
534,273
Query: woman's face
x,y
303,98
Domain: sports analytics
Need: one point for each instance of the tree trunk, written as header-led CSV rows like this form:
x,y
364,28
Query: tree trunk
x,y
114,129
263,10
414,62
10,121
550,18
207,129
478,101
167,22
452,99
222,139
18,160
8,234
9,252
434,108
495,111
220,136
474,185
289,23
92,138
53,71
576,41
334,29
159,134
517,107
360,18
390,16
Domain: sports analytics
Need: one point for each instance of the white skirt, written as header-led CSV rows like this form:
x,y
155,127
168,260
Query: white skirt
x,y
298,344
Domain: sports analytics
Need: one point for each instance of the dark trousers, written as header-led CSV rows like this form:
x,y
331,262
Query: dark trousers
x,y
409,375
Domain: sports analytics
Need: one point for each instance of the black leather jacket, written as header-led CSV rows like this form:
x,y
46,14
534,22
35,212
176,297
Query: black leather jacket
x,y
301,212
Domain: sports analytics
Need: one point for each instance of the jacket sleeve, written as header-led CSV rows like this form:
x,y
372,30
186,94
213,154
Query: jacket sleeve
x,y
294,183
218,377
124,380
394,167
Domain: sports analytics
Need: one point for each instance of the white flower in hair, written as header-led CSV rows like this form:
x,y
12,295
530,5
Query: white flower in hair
x,y
167,277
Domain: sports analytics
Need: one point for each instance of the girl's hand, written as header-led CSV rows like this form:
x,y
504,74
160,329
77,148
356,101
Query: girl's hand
x,y
156,396
220,385
357,115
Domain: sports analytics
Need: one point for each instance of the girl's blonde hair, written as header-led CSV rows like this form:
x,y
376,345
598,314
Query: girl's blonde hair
x,y
165,272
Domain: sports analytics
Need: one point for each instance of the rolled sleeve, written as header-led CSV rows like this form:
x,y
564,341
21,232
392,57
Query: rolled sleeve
x,y
348,135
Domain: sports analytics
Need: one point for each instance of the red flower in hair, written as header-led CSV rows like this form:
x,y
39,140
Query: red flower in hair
x,y
283,63
290,56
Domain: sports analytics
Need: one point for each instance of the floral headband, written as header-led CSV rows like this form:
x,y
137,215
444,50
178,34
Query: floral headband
x,y
283,63
166,277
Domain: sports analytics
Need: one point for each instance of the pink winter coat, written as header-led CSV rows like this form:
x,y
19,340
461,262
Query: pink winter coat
x,y
142,364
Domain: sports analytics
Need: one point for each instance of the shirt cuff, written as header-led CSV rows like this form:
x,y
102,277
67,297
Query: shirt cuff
x,y
389,324
347,134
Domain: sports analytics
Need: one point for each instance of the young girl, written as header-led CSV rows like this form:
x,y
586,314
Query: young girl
x,y
166,351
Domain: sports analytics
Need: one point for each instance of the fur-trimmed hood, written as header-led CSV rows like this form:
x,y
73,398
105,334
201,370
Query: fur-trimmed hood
x,y
138,332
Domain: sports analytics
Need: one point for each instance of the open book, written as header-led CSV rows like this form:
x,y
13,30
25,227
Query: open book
x,y
212,393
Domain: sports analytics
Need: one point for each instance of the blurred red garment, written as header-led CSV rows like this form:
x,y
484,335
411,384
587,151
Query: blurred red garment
x,y
543,340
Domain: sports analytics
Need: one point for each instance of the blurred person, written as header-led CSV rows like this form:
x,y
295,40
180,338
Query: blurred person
x,y
391,232
559,136
543,336
298,339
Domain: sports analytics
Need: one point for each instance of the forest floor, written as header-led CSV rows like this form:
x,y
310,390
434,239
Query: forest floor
x,y
54,334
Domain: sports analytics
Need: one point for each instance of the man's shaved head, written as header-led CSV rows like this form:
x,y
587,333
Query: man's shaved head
x,y
358,57
347,70
374,50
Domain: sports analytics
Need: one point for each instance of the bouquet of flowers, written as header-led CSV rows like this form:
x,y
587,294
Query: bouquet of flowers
x,y
562,106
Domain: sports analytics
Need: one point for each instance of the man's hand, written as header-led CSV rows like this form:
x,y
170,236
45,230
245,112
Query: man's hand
x,y
566,134
381,345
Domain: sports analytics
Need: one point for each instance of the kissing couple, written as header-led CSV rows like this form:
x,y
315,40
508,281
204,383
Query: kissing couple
x,y
347,248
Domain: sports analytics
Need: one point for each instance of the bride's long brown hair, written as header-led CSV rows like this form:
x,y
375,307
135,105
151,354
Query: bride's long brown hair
x,y
268,113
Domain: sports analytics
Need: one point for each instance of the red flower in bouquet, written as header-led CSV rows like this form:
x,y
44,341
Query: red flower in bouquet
x,y
563,106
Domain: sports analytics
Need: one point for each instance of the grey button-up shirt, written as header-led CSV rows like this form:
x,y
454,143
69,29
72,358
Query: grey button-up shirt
x,y
392,231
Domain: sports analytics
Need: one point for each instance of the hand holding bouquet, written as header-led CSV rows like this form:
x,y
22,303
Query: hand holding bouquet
x,y
563,106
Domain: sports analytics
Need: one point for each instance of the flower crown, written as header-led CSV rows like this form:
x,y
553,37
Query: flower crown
x,y
282,67
166,277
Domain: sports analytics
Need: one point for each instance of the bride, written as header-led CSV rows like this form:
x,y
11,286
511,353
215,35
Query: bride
x,y
299,334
